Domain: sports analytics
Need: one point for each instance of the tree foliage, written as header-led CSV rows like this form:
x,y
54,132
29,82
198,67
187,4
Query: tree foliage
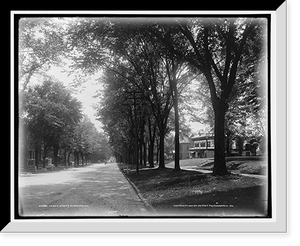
x,y
41,44
90,144
227,52
50,113
155,59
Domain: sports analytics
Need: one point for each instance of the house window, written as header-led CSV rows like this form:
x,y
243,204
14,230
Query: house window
x,y
202,144
31,155
210,143
196,144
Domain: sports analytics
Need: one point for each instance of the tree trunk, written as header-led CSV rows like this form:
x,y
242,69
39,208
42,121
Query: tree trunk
x,y
125,157
228,147
136,156
44,160
65,156
141,152
161,148
76,158
151,154
157,151
145,153
86,156
142,142
55,154
44,155
82,159
219,158
151,142
177,165
37,153
68,160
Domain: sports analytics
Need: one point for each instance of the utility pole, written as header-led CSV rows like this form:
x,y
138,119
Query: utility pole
x,y
136,156
136,134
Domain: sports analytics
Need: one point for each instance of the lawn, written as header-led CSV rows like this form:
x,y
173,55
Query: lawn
x,y
192,193
241,164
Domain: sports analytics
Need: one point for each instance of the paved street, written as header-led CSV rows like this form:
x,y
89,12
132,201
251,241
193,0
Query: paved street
x,y
95,190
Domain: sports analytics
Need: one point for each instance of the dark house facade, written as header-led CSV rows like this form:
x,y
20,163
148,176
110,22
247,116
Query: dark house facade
x,y
202,146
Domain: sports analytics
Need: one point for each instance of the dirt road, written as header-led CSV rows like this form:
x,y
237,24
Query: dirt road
x,y
95,190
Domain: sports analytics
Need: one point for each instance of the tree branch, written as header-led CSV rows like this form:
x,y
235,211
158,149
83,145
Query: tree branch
x,y
236,60
207,72
187,33
216,68
230,45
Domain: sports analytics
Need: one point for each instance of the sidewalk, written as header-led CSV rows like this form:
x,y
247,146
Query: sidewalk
x,y
239,173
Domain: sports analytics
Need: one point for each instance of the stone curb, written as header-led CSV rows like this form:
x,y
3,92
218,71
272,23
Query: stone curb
x,y
147,205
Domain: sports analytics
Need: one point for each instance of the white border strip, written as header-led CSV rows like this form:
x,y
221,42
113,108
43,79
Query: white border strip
x,y
129,12
278,118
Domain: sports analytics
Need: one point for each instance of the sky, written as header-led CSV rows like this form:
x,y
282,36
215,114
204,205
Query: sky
x,y
86,96
84,93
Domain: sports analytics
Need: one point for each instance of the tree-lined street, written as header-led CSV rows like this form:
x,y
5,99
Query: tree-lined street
x,y
154,74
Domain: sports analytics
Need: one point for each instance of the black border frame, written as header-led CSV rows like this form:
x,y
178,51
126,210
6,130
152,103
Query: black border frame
x,y
120,15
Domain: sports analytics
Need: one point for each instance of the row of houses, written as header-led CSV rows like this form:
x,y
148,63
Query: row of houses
x,y
202,146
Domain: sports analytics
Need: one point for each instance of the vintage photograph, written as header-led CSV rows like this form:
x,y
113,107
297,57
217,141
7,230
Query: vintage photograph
x,y
143,116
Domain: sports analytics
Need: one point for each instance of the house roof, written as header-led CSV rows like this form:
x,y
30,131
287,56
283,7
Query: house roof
x,y
184,139
202,136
